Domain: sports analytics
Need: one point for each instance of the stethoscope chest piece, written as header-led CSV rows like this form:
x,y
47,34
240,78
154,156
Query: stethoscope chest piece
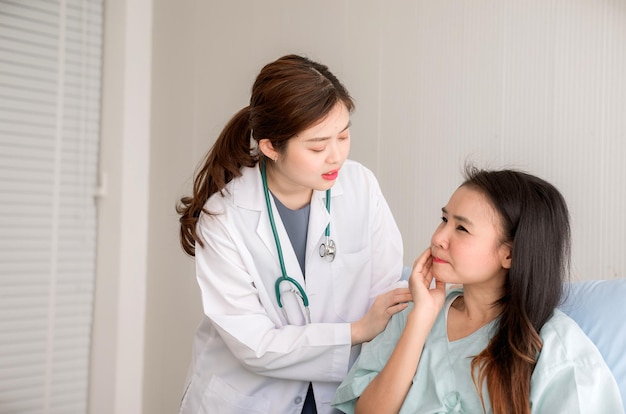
x,y
328,250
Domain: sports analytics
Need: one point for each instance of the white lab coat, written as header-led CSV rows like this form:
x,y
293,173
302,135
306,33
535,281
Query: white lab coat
x,y
246,357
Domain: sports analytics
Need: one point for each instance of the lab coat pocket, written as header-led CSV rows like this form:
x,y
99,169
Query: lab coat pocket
x,y
351,280
221,398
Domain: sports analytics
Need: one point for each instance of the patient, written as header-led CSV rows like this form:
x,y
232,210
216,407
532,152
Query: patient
x,y
496,344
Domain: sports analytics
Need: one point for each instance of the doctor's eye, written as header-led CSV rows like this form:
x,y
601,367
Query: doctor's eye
x,y
461,228
444,219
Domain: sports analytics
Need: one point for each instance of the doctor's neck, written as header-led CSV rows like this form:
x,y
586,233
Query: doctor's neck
x,y
291,194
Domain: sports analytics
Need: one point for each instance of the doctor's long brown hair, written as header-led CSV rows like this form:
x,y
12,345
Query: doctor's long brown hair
x,y
289,95
535,222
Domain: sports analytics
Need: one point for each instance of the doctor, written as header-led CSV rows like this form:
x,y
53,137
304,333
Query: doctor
x,y
297,253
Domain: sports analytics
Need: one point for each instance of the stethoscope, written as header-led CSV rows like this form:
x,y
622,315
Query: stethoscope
x,y
327,250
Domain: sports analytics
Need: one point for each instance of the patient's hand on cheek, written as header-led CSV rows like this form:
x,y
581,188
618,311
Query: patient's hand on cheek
x,y
427,301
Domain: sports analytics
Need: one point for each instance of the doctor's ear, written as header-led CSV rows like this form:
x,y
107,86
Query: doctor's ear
x,y
267,149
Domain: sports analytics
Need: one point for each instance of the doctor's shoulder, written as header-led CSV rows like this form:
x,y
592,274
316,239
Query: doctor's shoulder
x,y
358,177
217,207
221,217
220,201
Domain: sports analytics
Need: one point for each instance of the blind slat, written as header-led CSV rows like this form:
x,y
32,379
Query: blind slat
x,y
48,175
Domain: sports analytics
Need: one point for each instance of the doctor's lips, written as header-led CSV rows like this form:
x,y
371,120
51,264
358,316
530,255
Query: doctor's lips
x,y
331,175
438,260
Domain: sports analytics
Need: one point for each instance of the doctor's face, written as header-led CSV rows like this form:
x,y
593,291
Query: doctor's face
x,y
313,158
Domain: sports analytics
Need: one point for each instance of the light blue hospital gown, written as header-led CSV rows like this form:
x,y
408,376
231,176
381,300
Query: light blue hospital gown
x,y
570,376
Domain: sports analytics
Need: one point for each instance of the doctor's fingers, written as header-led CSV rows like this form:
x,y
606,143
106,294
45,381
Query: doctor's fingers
x,y
397,295
390,303
389,299
393,309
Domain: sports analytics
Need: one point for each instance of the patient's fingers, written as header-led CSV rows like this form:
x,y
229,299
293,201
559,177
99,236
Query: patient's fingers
x,y
422,268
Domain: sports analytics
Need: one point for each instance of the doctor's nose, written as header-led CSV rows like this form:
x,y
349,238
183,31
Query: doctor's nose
x,y
334,153
338,151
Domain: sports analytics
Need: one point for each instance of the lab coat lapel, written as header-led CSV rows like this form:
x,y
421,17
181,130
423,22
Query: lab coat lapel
x,y
289,255
253,198
319,219
248,193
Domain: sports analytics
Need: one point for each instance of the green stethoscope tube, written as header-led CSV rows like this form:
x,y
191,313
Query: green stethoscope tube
x,y
284,277
328,250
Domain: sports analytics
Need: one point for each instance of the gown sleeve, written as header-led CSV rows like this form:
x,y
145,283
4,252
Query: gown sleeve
x,y
571,376
374,355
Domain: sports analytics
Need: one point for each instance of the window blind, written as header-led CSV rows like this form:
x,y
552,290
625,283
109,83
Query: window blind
x,y
50,76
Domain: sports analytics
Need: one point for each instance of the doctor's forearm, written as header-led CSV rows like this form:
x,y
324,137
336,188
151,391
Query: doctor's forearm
x,y
357,336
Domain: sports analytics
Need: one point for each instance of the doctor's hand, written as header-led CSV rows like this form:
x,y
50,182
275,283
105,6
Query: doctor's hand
x,y
375,320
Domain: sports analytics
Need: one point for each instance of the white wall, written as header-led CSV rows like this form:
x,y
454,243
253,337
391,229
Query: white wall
x,y
538,85
173,299
118,334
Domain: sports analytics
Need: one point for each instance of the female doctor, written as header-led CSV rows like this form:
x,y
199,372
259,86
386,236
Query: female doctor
x,y
298,257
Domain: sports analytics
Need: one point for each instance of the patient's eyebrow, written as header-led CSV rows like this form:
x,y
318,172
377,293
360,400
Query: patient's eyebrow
x,y
461,219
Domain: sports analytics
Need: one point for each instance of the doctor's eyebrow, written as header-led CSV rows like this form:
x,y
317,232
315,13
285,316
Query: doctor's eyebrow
x,y
457,217
316,139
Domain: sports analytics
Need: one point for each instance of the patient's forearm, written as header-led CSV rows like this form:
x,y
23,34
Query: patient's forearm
x,y
386,393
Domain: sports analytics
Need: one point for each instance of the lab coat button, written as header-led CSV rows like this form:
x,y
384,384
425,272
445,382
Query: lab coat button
x,y
298,400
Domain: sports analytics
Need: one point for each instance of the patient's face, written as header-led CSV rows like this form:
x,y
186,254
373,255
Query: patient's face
x,y
466,246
